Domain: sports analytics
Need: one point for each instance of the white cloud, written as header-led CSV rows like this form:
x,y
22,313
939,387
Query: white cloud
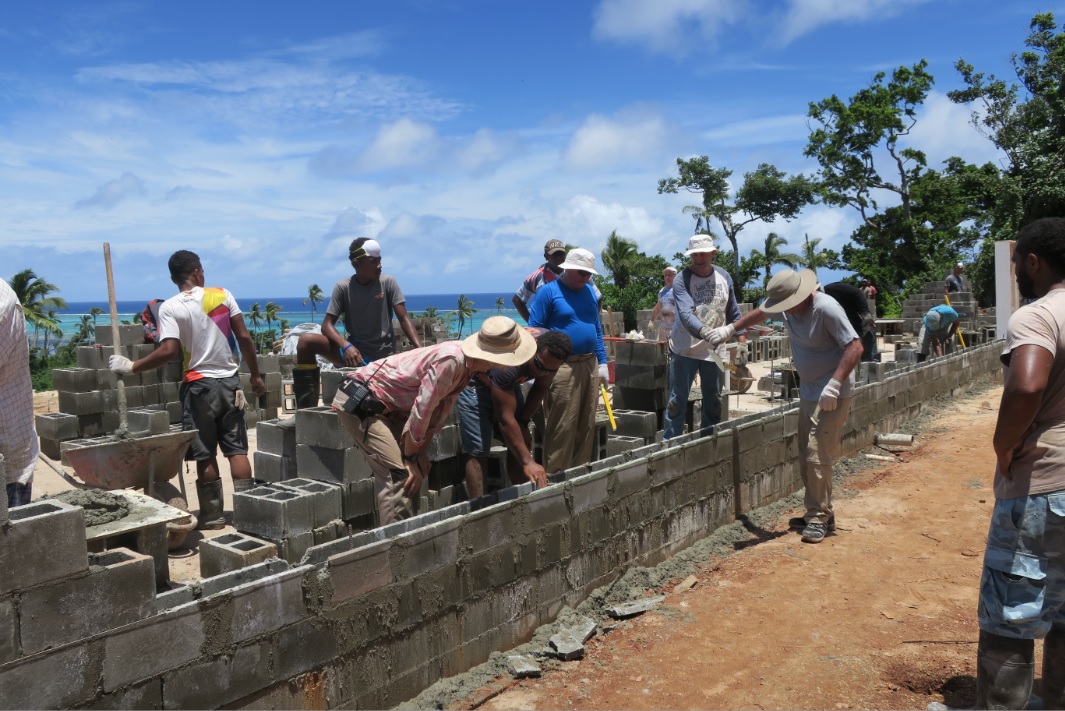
x,y
761,131
398,145
805,16
484,151
601,142
943,130
587,221
663,25
113,192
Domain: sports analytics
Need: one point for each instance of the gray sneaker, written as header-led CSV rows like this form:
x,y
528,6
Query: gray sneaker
x,y
799,523
814,532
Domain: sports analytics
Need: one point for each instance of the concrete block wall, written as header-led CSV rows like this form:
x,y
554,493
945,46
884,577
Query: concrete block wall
x,y
371,619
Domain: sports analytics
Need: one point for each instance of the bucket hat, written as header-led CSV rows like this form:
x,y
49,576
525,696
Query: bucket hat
x,y
500,341
701,243
788,288
581,260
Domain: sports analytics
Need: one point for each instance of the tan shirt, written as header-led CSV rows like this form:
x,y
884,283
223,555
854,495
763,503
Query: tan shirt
x,y
1039,465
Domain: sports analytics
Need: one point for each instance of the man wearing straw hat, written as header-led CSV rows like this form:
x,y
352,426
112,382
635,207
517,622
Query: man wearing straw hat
x,y
825,350
568,304
393,407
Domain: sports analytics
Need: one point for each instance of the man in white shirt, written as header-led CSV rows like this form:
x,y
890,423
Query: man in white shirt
x,y
18,441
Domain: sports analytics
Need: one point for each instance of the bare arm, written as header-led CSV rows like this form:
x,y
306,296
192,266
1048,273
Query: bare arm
x,y
406,324
752,318
521,307
352,357
247,350
1022,394
516,433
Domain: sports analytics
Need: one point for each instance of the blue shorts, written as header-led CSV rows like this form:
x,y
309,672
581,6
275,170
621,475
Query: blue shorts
x,y
477,420
1022,591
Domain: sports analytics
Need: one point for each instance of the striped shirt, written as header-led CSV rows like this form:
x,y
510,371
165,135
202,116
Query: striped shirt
x,y
18,441
425,382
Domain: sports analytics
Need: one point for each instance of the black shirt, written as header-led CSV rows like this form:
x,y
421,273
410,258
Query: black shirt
x,y
853,301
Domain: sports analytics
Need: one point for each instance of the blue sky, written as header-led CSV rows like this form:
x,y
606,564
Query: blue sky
x,y
267,135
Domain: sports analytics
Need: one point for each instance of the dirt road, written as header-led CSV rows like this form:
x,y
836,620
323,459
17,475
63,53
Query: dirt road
x,y
881,615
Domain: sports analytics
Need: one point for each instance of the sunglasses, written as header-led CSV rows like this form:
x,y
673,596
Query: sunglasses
x,y
539,365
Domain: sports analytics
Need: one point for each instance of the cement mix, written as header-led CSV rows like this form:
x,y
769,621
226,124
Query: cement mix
x,y
100,506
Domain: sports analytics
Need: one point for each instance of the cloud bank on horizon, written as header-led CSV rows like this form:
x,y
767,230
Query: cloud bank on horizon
x,y
462,137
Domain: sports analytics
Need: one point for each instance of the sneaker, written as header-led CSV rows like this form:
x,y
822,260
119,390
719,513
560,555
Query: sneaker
x,y
799,523
814,533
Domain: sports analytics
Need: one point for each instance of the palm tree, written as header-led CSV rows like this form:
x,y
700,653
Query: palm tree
x,y
314,297
86,328
465,311
812,257
499,305
773,255
94,312
271,313
430,312
283,325
618,255
38,305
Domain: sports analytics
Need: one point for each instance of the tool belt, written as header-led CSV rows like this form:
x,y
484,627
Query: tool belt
x,y
355,398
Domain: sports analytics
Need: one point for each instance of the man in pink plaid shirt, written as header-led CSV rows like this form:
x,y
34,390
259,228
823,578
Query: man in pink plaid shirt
x,y
411,394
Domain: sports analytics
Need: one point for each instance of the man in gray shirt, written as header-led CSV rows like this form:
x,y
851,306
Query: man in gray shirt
x,y
825,349
367,301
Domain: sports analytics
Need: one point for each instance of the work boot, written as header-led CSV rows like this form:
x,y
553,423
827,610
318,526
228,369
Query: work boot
x,y
1004,670
244,484
211,503
1054,669
306,386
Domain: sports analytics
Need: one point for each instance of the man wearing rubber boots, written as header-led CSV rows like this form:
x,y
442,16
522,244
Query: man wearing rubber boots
x,y
1022,591
205,326
366,301
393,407
825,350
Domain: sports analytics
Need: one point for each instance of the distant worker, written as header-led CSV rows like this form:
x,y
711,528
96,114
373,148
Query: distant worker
x,y
393,407
494,404
549,271
870,295
706,299
825,350
569,305
18,440
204,326
1022,590
937,332
665,310
953,281
367,301
856,307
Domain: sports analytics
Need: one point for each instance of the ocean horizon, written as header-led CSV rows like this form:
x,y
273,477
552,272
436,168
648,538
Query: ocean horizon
x,y
293,310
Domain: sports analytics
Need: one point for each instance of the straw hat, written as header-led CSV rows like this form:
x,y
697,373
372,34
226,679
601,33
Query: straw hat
x,y
500,341
581,260
701,243
788,288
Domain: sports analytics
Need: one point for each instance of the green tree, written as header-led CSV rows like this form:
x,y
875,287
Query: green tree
x,y
282,324
95,311
766,194
270,313
640,290
771,256
431,312
86,330
618,256
465,311
255,317
314,297
813,258
499,305
748,271
39,306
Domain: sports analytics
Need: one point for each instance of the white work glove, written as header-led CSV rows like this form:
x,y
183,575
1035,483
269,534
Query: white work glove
x,y
830,396
120,364
717,336
240,400
604,373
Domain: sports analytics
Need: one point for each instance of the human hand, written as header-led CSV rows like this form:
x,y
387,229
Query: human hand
x,y
535,473
716,336
120,364
829,400
258,385
604,373
351,356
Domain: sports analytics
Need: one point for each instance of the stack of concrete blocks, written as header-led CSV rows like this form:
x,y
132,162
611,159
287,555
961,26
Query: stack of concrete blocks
x,y
326,452
873,372
915,307
774,346
274,459
641,376
54,428
292,515
635,429
266,406
372,619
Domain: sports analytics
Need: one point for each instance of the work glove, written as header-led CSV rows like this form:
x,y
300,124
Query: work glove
x,y
717,336
120,364
240,400
741,355
604,374
830,396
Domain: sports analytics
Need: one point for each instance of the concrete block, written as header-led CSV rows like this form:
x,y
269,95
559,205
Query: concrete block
x,y
152,421
307,645
128,334
220,680
273,468
357,498
547,507
357,572
425,549
589,491
444,444
340,466
74,380
640,353
636,423
321,427
327,498
566,646
9,645
273,513
522,667
636,399
636,607
294,547
617,444
45,541
62,679
641,377
57,426
268,603
233,551
331,381
85,403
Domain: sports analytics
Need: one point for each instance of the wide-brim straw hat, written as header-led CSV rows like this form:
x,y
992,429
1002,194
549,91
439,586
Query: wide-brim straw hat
x,y
500,341
581,260
788,288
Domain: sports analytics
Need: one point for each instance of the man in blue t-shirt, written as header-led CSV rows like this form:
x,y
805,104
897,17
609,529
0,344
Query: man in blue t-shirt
x,y
568,304
937,331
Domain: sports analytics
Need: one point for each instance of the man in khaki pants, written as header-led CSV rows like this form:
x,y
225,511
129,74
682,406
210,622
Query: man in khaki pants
x,y
394,406
825,349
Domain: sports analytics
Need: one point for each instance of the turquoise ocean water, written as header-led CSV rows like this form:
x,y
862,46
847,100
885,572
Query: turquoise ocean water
x,y
294,310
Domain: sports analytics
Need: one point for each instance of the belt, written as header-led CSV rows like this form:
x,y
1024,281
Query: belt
x,y
579,358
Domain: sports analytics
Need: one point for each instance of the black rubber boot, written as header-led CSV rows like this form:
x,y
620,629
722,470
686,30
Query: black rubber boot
x,y
306,386
211,503
244,484
1054,669
1004,671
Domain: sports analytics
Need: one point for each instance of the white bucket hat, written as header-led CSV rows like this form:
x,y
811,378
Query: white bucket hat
x,y
701,243
500,341
788,288
580,260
